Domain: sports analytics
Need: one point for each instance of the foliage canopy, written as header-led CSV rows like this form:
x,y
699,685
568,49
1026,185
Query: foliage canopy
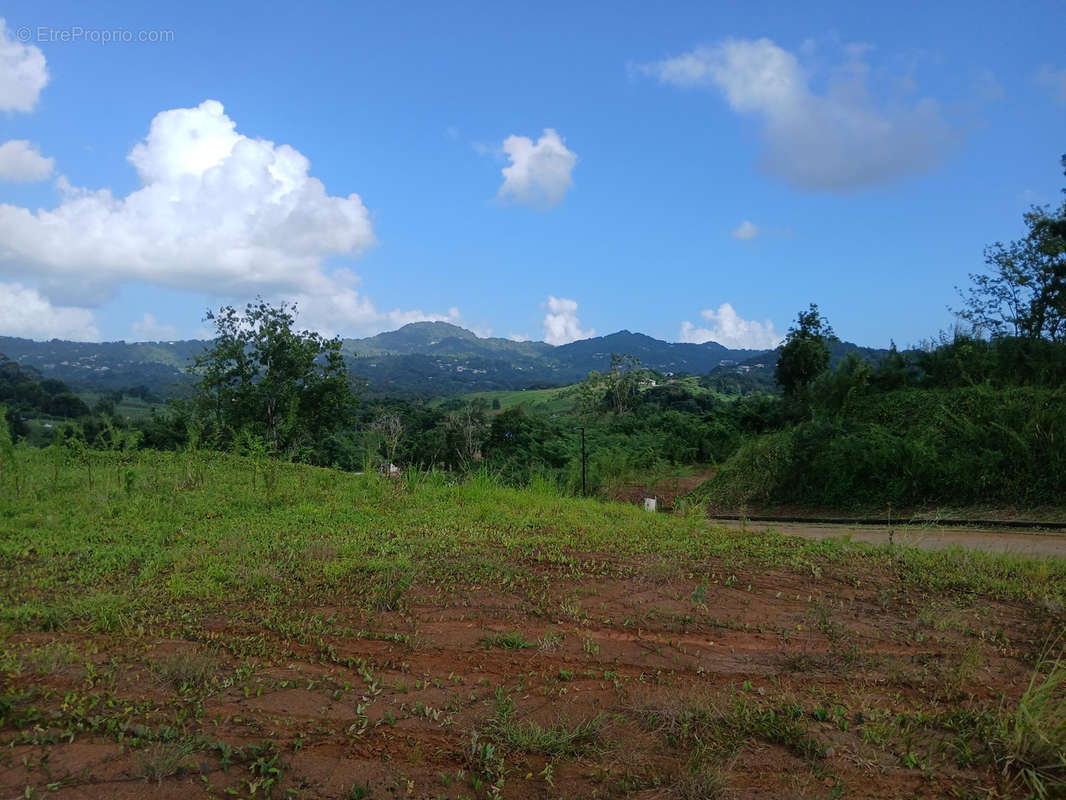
x,y
261,376
1023,294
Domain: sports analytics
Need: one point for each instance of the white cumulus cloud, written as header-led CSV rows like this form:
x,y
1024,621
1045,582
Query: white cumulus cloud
x,y
838,138
150,329
217,212
746,231
561,324
728,328
23,73
25,312
21,161
539,174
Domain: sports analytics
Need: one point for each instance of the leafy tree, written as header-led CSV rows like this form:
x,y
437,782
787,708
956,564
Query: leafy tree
x,y
1024,292
805,353
261,375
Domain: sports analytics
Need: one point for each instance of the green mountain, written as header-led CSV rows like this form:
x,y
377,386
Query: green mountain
x,y
430,358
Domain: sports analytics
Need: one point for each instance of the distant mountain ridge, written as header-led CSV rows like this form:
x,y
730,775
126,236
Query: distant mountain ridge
x,y
431,358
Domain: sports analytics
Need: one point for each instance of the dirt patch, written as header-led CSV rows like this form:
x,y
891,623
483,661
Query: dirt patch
x,y
637,683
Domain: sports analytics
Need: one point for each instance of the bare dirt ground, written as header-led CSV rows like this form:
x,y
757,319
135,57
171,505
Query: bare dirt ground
x,y
925,537
640,683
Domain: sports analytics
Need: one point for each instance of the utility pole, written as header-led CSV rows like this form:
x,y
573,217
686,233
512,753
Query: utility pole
x,y
584,493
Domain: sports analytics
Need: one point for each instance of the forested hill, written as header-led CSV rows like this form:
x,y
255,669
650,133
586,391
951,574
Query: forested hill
x,y
431,358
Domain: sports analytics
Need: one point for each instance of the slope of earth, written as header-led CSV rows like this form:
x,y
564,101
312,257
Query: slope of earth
x,y
197,625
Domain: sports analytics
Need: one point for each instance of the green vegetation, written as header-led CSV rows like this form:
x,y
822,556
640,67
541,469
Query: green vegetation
x,y
1024,292
559,400
1033,740
964,421
198,619
263,381
805,353
191,530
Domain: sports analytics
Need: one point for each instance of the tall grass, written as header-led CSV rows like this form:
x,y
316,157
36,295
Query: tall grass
x,y
1034,737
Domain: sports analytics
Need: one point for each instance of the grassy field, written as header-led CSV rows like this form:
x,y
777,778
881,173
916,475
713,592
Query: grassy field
x,y
553,401
199,625
132,408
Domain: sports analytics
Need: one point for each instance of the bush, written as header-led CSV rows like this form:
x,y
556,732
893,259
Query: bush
x,y
909,447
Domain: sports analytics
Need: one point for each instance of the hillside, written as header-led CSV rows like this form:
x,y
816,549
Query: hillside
x,y
430,358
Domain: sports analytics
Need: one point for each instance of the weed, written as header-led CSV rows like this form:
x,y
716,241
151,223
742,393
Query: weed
x,y
699,783
187,670
390,588
1033,739
529,736
510,640
163,759
51,658
550,641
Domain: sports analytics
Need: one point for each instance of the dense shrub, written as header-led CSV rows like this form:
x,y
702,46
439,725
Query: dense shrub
x,y
975,445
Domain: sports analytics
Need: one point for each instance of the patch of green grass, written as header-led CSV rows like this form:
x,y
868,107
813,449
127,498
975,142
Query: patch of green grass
x,y
529,736
1034,739
390,587
510,640
560,739
552,401
107,557
51,658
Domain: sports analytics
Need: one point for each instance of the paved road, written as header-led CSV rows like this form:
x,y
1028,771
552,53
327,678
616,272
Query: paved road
x,y
927,538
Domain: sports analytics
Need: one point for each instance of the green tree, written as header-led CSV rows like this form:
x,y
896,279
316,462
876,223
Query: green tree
x,y
1023,293
805,353
262,376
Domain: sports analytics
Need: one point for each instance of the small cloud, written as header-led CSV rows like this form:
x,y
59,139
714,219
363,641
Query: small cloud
x,y
836,139
561,324
518,337
1055,81
150,329
729,329
746,231
26,312
22,161
539,175
23,72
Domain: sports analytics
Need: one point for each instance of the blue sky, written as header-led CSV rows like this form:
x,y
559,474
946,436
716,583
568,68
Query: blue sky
x,y
687,170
